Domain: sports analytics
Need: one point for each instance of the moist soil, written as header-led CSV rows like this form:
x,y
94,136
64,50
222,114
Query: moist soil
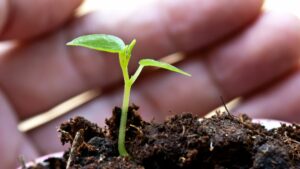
x,y
181,141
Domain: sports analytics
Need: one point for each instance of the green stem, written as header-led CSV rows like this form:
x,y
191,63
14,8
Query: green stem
x,y
123,121
125,105
136,74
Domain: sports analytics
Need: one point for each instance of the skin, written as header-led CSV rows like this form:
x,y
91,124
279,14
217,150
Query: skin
x,y
232,51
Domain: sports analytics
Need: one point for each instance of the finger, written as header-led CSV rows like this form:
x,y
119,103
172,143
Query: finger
x,y
281,101
40,75
12,142
266,51
165,26
28,19
158,95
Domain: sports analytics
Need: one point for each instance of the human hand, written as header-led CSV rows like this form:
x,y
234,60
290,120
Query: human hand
x,y
232,51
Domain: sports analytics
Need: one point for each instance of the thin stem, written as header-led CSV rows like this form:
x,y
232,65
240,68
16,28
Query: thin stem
x,y
123,121
136,74
125,105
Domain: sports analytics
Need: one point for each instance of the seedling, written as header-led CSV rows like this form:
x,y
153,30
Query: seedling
x,y
113,44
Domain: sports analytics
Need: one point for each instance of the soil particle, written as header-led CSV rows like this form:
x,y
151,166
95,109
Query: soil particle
x,y
69,128
182,141
270,155
50,163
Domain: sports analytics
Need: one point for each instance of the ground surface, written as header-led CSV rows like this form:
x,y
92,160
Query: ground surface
x,y
182,141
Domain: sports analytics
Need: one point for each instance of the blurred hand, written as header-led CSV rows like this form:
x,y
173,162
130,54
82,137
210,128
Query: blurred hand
x,y
232,48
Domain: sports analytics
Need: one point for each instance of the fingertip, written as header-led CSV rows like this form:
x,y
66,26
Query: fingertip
x,y
289,26
286,35
262,53
279,101
29,19
208,22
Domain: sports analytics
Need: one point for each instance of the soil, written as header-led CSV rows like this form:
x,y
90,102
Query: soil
x,y
182,141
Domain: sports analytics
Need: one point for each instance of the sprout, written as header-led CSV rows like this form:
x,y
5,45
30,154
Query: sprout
x,y
113,44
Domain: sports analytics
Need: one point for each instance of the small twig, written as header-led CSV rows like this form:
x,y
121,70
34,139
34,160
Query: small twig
x,y
192,135
137,128
78,140
211,146
295,141
22,162
290,139
228,113
183,131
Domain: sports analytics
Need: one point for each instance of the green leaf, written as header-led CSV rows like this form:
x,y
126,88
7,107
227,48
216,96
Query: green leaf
x,y
151,62
101,42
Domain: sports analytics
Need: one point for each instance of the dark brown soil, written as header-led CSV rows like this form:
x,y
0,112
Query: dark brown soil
x,y
182,141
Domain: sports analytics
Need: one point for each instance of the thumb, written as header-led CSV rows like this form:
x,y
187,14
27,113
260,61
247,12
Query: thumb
x,y
13,143
21,19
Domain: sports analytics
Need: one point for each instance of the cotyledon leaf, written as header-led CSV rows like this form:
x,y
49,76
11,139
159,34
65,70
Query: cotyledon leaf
x,y
151,62
100,42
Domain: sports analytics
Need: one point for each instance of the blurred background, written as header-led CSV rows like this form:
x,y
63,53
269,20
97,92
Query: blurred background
x,y
291,6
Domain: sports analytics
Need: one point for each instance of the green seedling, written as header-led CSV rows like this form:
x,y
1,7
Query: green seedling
x,y
113,44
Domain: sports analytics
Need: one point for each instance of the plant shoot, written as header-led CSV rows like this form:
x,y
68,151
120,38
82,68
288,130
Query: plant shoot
x,y
113,44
